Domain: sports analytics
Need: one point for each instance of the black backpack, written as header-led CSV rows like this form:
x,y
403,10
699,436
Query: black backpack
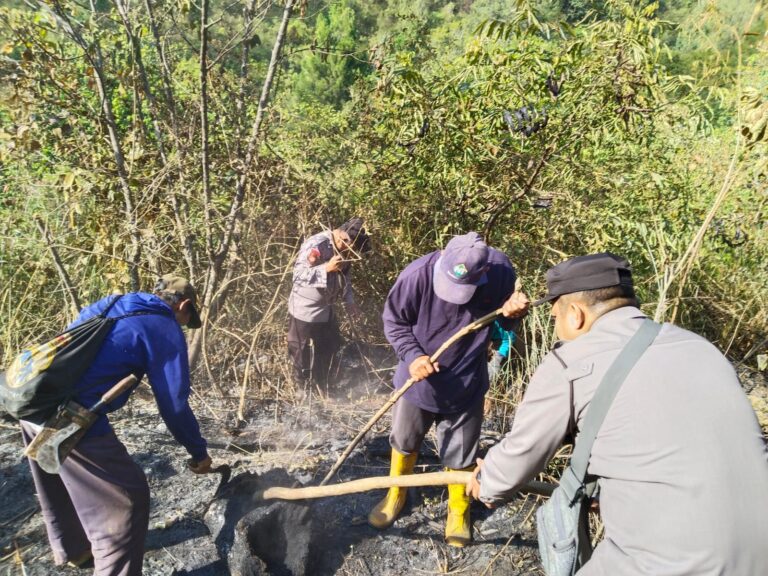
x,y
44,376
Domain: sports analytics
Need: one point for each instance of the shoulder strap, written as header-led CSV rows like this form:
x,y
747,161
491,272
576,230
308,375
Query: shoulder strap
x,y
129,314
109,306
574,476
141,313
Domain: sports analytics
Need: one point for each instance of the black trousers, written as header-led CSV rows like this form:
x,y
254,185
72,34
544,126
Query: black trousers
x,y
326,342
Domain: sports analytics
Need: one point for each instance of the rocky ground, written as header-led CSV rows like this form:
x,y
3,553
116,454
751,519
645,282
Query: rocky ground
x,y
282,442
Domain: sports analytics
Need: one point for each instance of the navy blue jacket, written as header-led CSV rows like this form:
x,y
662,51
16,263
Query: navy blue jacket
x,y
417,322
151,344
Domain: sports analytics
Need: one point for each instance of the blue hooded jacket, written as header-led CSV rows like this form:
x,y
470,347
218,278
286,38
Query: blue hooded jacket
x,y
151,344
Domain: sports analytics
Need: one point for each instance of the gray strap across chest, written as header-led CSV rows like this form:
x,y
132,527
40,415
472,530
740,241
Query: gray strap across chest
x,y
572,480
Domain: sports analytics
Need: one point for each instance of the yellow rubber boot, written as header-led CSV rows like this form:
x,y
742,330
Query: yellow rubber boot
x,y
386,512
457,526
85,560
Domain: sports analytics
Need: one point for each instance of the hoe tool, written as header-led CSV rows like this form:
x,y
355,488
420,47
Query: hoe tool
x,y
63,430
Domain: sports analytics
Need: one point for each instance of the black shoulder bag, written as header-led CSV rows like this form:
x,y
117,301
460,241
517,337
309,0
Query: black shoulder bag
x,y
44,376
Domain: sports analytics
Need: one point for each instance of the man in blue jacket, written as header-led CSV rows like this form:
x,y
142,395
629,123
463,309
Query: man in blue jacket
x,y
98,505
432,299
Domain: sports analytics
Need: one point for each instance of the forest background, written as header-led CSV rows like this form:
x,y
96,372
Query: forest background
x,y
207,138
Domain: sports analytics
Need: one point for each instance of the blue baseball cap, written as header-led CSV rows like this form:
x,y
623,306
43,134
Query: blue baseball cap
x,y
461,268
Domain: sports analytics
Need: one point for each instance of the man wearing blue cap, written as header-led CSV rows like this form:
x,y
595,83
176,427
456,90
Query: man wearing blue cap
x,y
679,458
433,298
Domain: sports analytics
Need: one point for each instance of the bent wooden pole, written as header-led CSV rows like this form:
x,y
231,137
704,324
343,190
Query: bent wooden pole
x,y
377,482
476,325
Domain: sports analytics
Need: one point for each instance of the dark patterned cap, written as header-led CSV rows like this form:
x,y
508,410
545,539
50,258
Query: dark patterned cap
x,y
461,268
357,234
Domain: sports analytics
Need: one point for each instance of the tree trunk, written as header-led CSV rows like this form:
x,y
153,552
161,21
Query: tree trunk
x,y
92,53
235,211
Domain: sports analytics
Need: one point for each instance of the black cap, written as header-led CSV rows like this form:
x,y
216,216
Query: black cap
x,y
586,273
357,234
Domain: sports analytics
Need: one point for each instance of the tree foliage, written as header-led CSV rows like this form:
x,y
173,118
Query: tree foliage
x,y
140,134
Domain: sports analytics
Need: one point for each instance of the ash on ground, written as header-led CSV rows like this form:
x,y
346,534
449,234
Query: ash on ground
x,y
284,442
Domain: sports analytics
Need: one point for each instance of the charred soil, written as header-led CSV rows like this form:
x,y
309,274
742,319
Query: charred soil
x,y
216,525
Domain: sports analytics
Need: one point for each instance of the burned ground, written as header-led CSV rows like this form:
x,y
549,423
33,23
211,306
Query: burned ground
x,y
282,443
194,519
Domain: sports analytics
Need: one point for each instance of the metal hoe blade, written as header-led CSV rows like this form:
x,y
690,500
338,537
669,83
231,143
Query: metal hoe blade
x,y
48,453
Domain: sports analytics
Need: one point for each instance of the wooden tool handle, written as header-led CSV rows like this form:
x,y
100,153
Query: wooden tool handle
x,y
377,482
365,484
116,390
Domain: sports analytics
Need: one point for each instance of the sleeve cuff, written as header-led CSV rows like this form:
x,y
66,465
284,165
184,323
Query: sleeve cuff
x,y
412,354
198,456
485,498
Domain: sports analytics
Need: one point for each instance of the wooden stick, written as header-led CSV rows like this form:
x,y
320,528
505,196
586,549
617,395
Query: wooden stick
x,y
377,482
476,325
115,391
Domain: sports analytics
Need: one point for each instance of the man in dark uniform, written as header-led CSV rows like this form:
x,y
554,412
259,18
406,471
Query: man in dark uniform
x,y
321,275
